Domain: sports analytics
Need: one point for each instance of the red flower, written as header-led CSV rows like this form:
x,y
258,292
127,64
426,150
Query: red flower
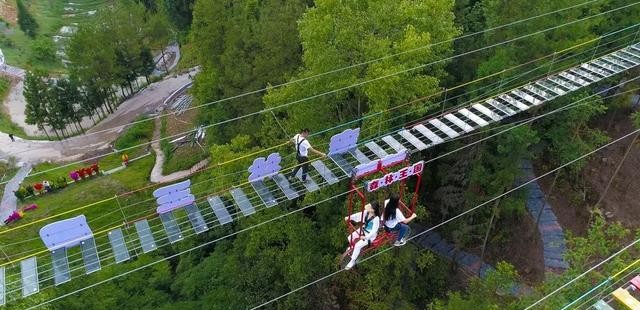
x,y
37,186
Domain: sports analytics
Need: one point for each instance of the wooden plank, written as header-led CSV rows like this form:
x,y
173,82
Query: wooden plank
x,y
501,107
422,129
458,122
626,299
475,118
412,139
487,112
376,149
514,102
539,92
393,143
526,97
359,156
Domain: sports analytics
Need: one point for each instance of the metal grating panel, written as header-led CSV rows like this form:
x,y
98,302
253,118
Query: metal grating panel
x,y
412,139
393,143
285,187
475,118
90,255
147,242
344,165
482,109
2,287
458,122
539,92
359,156
435,139
376,149
501,107
562,83
514,102
594,70
60,266
242,201
120,251
196,219
551,88
444,128
527,97
584,75
171,227
220,210
575,78
29,275
265,194
326,174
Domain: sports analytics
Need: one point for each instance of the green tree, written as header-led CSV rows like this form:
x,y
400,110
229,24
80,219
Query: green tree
x,y
567,134
338,34
180,12
43,49
35,93
238,52
26,21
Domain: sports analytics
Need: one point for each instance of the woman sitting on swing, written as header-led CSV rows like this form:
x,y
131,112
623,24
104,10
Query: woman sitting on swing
x,y
369,229
394,220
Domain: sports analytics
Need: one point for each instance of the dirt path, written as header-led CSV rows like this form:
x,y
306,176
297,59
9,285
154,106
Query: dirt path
x,y
98,137
156,172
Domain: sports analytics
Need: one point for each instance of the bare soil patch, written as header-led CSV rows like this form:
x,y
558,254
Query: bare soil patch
x,y
8,11
519,244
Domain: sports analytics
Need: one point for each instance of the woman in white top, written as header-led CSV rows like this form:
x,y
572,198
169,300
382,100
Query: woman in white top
x,y
370,226
394,220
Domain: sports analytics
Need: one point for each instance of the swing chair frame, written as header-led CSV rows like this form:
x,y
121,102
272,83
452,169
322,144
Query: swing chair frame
x,y
357,195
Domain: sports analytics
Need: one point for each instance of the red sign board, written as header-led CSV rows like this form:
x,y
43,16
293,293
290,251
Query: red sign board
x,y
393,177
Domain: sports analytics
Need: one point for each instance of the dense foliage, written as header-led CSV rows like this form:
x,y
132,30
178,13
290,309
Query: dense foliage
x,y
250,45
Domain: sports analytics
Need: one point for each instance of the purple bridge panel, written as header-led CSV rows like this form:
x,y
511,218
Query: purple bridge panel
x,y
344,141
66,233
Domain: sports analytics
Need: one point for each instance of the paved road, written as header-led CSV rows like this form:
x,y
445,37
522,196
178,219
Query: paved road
x,y
9,200
98,137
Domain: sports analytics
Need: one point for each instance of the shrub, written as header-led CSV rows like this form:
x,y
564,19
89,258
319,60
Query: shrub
x,y
43,49
61,182
26,21
29,189
21,193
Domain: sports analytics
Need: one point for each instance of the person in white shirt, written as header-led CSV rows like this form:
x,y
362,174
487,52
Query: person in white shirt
x,y
394,220
302,153
368,233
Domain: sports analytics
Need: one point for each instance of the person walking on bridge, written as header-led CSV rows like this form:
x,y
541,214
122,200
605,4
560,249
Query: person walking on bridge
x,y
302,153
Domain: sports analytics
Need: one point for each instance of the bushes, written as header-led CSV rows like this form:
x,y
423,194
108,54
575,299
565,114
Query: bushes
x,y
21,193
26,21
